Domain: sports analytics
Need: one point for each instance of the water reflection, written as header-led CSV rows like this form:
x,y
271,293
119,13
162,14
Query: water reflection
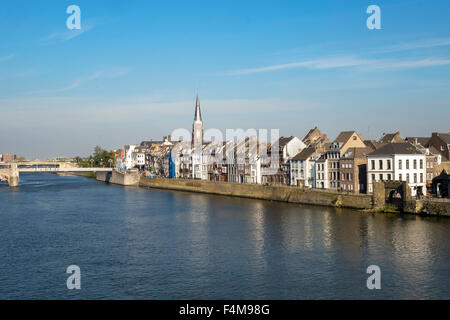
x,y
137,243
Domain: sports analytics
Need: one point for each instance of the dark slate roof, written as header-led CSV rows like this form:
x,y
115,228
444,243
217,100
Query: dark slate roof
x,y
433,150
445,137
396,148
391,138
421,140
284,141
310,132
149,143
304,154
371,144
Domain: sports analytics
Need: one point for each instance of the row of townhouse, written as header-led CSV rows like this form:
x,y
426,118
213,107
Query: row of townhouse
x,y
350,166
349,163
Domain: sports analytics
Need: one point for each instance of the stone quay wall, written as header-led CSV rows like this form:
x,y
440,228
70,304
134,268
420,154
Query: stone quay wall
x,y
116,177
255,191
433,207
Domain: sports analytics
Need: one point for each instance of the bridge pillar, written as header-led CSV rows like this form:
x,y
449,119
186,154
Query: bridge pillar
x,y
13,179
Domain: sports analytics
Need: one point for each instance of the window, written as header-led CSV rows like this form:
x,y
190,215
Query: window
x,y
415,177
415,164
421,178
421,164
381,164
389,165
373,164
381,177
407,177
389,176
400,177
373,177
407,164
400,164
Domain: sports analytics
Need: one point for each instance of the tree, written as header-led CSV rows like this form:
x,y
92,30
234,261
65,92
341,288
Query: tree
x,y
100,158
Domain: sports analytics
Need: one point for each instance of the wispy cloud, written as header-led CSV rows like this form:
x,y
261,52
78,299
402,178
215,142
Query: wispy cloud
x,y
409,64
66,35
112,73
362,64
6,58
327,63
421,44
73,85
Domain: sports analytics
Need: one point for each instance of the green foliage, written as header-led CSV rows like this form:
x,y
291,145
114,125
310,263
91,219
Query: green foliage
x,y
389,207
100,158
337,201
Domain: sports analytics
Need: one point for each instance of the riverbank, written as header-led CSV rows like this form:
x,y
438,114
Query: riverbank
x,y
364,202
254,191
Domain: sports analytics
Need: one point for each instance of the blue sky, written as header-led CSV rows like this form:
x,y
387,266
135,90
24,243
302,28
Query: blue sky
x,y
132,71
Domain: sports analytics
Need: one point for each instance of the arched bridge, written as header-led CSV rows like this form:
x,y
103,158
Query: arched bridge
x,y
10,172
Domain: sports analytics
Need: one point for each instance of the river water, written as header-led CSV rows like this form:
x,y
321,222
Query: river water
x,y
133,243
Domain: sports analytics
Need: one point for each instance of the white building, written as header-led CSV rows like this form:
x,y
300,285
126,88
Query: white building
x,y
129,159
303,169
321,166
398,161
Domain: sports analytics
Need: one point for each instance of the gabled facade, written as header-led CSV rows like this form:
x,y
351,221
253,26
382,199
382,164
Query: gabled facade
x,y
398,161
303,169
315,138
353,166
344,141
275,166
321,170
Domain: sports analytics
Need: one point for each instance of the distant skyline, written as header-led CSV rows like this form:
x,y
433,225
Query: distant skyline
x,y
132,72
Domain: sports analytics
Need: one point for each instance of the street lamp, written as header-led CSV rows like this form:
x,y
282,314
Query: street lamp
x,y
110,163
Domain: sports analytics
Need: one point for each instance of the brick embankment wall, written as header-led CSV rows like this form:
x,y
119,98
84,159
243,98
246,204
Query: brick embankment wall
x,y
275,193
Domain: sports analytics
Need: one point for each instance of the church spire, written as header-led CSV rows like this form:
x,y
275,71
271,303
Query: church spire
x,y
197,126
198,114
